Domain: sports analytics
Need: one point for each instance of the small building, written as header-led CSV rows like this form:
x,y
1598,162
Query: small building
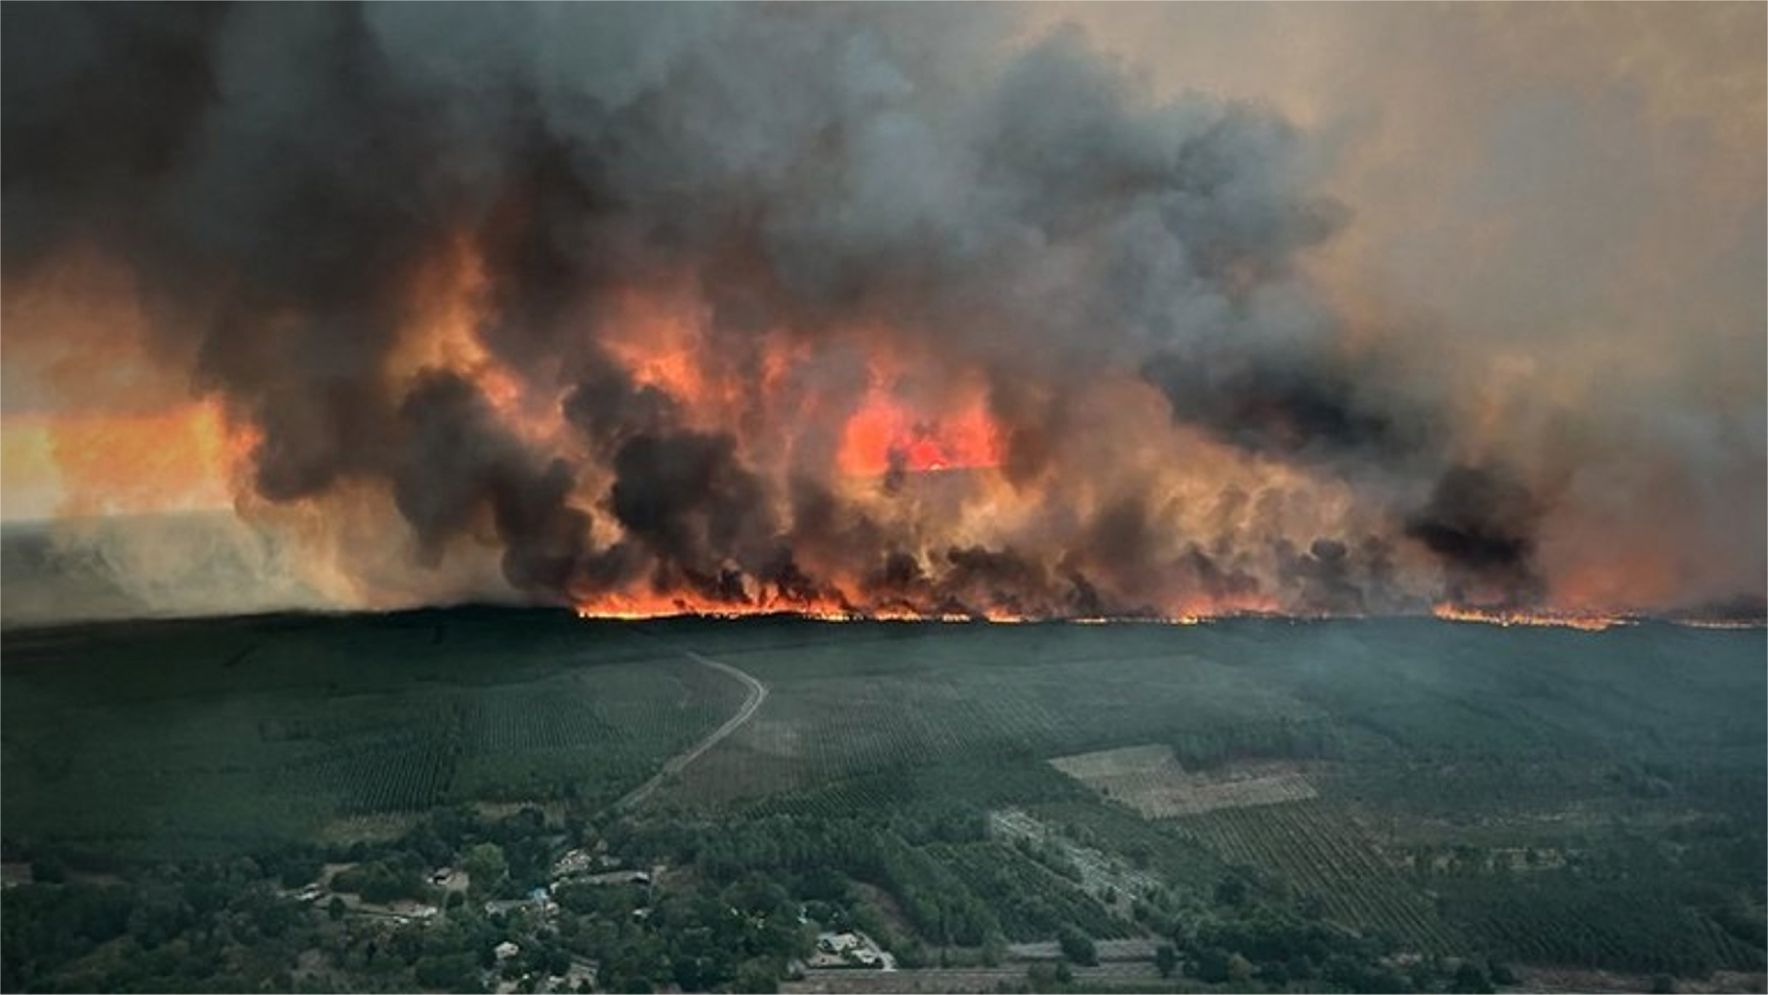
x,y
506,950
573,862
409,909
837,943
848,950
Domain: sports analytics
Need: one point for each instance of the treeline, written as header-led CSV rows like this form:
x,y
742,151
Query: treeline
x,y
802,852
1563,921
1279,739
219,926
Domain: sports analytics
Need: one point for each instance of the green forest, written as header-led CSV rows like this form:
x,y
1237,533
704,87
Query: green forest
x,y
432,801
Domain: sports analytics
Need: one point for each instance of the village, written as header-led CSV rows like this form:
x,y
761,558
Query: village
x,y
450,888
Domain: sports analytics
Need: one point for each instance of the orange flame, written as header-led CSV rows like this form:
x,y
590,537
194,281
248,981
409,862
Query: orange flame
x,y
623,607
884,429
1510,617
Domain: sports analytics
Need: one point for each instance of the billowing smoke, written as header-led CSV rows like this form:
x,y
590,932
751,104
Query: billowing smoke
x,y
730,308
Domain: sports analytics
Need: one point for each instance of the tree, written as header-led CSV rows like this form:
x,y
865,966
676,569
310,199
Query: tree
x,y
1212,965
1469,978
1077,946
299,871
994,948
450,972
1166,959
1231,891
49,870
485,866
756,975
1276,974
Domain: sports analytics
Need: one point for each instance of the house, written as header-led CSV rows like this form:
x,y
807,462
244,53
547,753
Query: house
x,y
837,943
573,862
506,950
849,950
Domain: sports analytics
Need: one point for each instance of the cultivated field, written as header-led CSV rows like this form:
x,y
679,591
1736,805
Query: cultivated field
x,y
1151,781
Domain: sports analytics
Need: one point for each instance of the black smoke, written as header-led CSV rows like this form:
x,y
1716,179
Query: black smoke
x,y
1481,522
279,177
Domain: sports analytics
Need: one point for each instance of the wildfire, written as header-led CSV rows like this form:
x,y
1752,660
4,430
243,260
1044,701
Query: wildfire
x,y
1510,617
621,608
677,604
628,607
885,431
915,414
639,607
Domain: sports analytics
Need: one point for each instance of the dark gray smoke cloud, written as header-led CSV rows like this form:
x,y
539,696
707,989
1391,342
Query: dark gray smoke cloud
x,y
1482,523
279,177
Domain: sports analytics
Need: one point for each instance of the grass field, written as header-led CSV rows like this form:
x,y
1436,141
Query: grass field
x,y
1422,779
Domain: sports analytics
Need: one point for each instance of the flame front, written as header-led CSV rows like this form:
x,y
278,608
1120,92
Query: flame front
x,y
1510,617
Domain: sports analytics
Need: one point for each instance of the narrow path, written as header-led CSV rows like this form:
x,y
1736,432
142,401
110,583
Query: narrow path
x,y
674,765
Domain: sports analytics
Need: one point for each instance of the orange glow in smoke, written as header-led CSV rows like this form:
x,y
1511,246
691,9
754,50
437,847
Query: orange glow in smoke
x,y
884,427
659,341
449,295
180,458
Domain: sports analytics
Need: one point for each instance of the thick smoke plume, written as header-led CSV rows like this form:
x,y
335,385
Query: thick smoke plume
x,y
734,308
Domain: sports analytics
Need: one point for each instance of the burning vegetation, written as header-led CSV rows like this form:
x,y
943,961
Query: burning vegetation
x,y
738,310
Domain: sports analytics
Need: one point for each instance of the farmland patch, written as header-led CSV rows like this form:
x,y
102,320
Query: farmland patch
x,y
1150,780
1326,855
1100,873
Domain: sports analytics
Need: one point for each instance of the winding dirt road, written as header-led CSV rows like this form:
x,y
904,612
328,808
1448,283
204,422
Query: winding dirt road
x,y
674,765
